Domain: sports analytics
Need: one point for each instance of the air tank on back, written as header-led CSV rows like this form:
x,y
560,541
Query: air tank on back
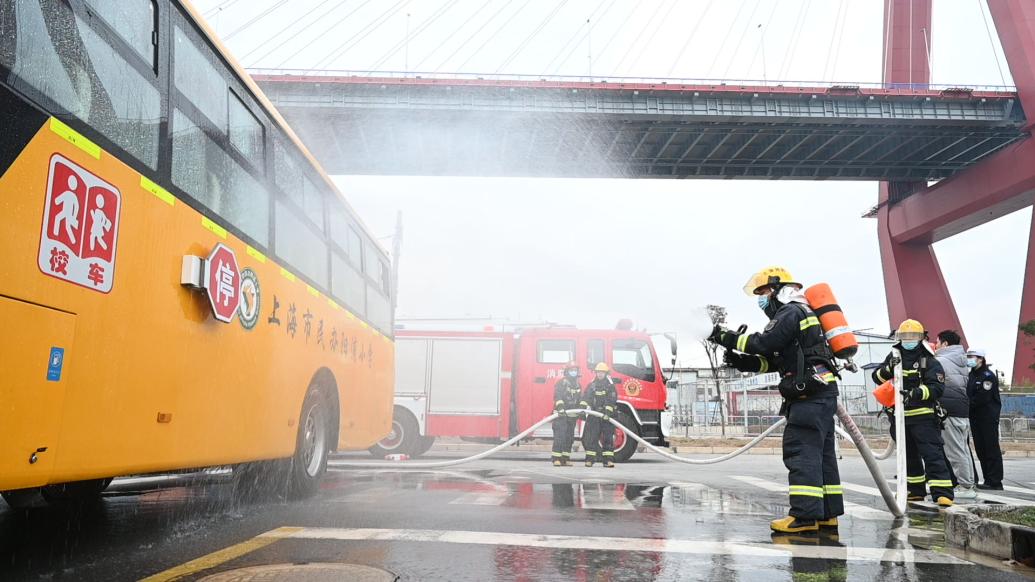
x,y
840,337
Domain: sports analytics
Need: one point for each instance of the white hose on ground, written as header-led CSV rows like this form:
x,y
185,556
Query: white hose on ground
x,y
531,429
852,433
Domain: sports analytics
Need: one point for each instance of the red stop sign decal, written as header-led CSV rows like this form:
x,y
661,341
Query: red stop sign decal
x,y
223,282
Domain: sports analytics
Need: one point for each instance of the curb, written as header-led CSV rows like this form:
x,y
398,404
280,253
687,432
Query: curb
x,y
967,528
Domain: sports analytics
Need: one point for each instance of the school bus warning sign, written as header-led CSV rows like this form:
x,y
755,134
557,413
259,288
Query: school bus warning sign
x,y
80,226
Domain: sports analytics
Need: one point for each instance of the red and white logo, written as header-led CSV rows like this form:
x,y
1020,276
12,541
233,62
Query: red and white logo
x,y
80,226
223,282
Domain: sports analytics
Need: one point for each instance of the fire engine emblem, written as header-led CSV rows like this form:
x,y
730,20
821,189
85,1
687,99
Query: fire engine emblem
x,y
633,387
251,299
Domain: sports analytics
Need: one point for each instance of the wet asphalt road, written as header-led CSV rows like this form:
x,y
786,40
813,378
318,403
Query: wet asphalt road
x,y
508,518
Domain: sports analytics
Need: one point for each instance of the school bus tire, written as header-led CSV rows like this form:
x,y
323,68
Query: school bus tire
x,y
424,444
404,438
312,445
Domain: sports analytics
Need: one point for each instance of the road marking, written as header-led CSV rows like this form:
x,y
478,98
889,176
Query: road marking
x,y
852,509
1019,489
222,556
984,496
600,543
482,498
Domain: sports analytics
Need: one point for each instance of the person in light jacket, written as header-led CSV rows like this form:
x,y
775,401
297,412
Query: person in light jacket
x,y
956,431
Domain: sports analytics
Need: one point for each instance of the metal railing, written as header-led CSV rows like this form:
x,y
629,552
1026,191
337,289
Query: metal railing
x,y
608,79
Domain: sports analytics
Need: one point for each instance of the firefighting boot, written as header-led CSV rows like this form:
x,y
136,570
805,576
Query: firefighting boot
x,y
609,464
558,463
829,523
791,524
589,462
945,502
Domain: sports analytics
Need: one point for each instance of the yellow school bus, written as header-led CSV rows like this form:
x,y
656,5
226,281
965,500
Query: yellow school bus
x,y
181,285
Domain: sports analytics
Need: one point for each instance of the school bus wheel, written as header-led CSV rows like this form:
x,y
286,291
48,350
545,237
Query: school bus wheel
x,y
312,445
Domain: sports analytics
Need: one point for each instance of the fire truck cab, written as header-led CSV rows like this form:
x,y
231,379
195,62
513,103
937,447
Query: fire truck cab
x,y
489,386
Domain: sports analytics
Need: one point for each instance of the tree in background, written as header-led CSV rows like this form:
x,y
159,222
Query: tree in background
x,y
718,316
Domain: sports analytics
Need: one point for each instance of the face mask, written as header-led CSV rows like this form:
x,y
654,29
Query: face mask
x,y
763,302
971,363
572,373
910,345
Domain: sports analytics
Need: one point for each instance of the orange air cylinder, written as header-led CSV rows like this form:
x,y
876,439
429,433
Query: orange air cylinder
x,y
885,394
840,337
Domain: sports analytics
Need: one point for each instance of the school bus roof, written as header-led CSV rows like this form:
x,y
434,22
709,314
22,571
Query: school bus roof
x,y
260,96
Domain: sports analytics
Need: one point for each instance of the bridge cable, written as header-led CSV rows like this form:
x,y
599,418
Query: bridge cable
x,y
364,32
995,53
885,68
611,38
580,31
478,31
593,22
726,38
532,35
689,38
255,19
833,37
414,33
219,8
312,41
792,45
761,48
493,35
288,27
840,41
650,40
740,41
450,37
638,36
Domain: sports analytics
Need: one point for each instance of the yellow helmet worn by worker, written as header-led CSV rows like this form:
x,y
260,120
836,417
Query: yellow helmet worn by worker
x,y
766,277
601,367
910,330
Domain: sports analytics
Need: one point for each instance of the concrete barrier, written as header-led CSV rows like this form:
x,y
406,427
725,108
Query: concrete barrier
x,y
975,529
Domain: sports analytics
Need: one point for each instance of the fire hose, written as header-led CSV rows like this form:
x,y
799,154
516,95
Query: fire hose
x,y
850,431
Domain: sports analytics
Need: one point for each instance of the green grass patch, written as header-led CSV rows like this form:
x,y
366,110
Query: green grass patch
x,y
1024,516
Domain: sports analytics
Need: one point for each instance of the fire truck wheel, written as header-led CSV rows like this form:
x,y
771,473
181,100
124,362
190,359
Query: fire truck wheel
x,y
625,446
310,460
404,438
423,444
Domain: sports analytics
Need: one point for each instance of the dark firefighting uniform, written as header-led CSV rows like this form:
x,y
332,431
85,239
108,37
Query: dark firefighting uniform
x,y
598,435
566,395
793,344
985,406
924,379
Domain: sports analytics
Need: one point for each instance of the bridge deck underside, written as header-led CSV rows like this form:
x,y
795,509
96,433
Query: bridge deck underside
x,y
411,131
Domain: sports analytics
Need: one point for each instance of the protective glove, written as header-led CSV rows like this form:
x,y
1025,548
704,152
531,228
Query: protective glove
x,y
606,418
914,394
894,362
717,332
732,359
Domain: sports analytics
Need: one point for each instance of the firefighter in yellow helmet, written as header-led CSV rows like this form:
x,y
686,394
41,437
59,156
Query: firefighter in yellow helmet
x,y
923,382
598,435
794,345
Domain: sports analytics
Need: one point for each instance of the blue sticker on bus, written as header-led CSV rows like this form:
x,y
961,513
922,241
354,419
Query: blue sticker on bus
x,y
57,360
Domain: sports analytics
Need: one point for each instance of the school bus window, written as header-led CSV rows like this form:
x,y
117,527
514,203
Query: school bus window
x,y
312,202
355,249
133,20
198,80
339,227
246,133
61,57
379,309
300,246
385,279
202,169
347,284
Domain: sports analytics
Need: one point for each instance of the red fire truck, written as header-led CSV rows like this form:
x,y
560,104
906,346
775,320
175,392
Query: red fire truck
x,y
488,386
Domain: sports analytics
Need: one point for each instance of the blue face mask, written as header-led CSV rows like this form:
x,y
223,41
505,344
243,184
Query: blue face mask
x,y
910,345
763,301
572,373
971,363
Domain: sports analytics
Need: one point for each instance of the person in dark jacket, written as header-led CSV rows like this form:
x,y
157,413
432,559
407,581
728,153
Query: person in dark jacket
x,y
794,345
956,431
923,383
566,395
598,435
985,405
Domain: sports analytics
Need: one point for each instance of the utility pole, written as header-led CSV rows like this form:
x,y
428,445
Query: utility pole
x,y
396,253
406,39
589,49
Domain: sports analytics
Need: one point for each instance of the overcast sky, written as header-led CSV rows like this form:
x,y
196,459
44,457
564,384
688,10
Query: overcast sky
x,y
591,251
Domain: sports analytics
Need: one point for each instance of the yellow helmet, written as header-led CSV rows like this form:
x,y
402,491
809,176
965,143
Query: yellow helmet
x,y
768,276
910,330
601,367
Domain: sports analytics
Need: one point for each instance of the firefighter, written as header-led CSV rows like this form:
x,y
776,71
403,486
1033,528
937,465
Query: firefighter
x,y
566,395
923,382
598,435
794,345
